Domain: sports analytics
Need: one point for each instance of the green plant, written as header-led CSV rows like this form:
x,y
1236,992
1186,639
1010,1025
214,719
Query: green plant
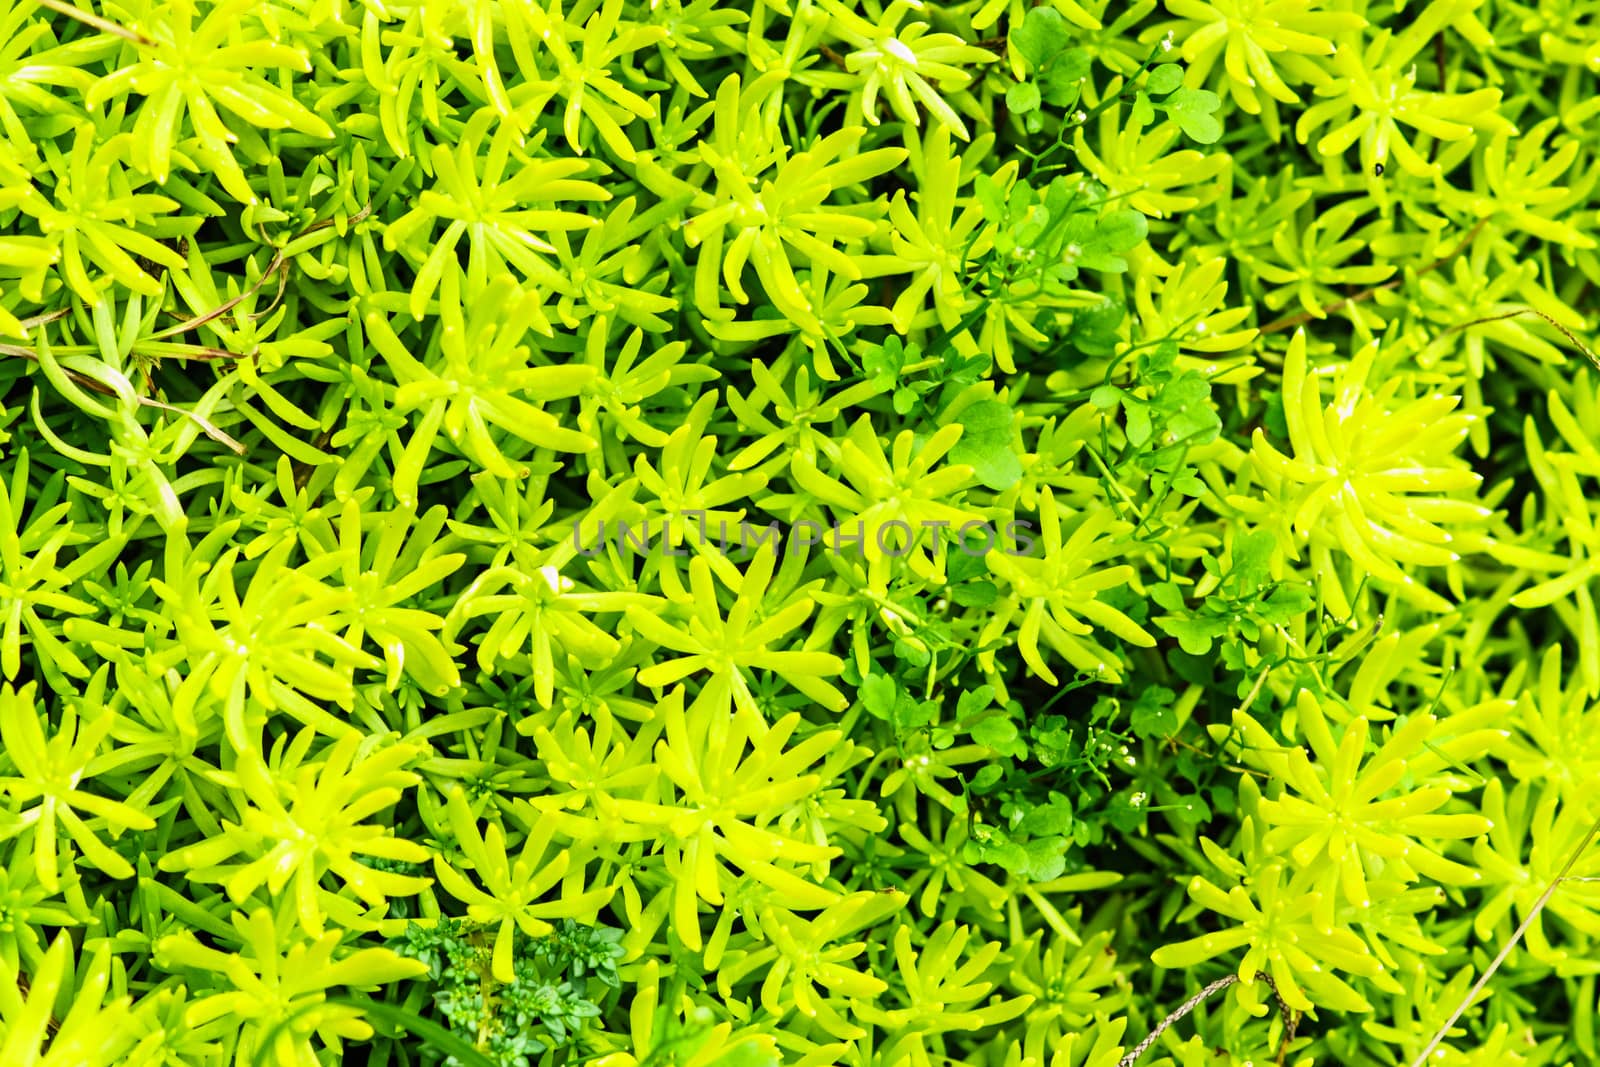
x,y
859,532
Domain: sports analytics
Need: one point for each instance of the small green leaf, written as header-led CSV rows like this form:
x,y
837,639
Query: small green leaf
x,y
999,732
1252,559
1285,603
1152,714
1022,98
1193,111
975,594
1043,33
1123,229
912,715
1072,64
987,777
974,700
986,444
1105,397
1063,78
1167,595
1194,635
1046,858
1143,112
879,694
991,196
1048,820
1164,79
1094,329
1139,428
996,732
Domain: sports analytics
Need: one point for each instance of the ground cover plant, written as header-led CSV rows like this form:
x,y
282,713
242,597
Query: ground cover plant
x,y
632,532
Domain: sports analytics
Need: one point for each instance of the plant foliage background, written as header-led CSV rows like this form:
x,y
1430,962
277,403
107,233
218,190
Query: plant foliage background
x,y
339,338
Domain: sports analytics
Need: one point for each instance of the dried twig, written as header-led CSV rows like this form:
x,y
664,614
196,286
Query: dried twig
x,y
41,320
1505,950
206,427
1290,321
278,266
61,7
221,309
95,386
1594,360
1291,1019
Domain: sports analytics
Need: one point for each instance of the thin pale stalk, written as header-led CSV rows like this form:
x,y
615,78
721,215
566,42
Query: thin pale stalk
x,y
1505,950
104,25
